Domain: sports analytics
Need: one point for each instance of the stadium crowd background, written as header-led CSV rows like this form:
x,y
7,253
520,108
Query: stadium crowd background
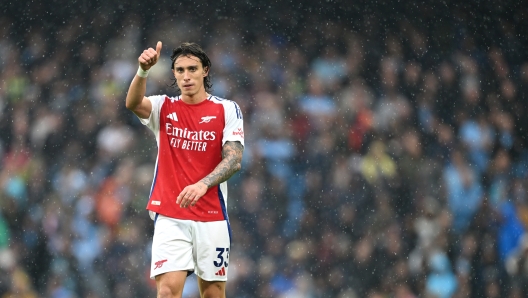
x,y
386,146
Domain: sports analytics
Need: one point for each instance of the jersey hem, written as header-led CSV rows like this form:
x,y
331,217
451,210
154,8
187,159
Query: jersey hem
x,y
198,219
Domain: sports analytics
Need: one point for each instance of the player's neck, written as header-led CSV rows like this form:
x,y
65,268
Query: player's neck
x,y
196,98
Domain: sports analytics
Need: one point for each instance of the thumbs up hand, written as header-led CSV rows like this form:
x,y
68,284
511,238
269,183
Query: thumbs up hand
x,y
149,57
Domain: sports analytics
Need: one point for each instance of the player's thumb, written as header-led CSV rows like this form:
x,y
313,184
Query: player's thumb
x,y
158,48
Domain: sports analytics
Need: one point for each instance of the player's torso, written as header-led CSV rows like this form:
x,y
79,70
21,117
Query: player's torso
x,y
190,144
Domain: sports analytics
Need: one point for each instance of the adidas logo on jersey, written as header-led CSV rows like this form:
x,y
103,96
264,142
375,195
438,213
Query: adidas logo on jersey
x,y
172,116
221,272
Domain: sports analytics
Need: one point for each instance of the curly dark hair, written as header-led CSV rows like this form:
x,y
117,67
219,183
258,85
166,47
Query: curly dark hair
x,y
188,49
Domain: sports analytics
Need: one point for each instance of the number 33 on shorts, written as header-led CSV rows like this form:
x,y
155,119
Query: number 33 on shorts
x,y
222,259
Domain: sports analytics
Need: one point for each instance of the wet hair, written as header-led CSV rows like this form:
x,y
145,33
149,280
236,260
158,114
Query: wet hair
x,y
192,49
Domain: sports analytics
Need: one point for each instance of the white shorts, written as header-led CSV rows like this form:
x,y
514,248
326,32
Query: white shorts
x,y
186,245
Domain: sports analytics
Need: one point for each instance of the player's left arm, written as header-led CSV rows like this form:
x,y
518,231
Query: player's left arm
x,y
230,164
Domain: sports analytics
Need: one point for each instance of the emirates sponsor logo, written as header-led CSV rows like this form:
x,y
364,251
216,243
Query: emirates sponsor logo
x,y
185,139
184,133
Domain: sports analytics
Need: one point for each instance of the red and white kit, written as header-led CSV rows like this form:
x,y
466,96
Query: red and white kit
x,y
190,140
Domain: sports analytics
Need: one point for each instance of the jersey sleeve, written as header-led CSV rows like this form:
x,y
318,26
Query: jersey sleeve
x,y
234,126
154,119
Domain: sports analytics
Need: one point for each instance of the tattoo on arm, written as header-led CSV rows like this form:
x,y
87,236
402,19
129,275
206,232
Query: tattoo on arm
x,y
230,164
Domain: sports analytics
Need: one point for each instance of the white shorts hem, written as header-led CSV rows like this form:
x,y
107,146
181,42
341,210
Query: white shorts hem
x,y
171,270
219,278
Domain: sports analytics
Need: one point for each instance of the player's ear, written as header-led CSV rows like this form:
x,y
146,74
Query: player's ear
x,y
205,71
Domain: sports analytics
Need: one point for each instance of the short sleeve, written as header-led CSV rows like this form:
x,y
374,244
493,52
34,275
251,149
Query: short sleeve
x,y
152,121
234,126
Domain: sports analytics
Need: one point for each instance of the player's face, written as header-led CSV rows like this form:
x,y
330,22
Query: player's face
x,y
189,74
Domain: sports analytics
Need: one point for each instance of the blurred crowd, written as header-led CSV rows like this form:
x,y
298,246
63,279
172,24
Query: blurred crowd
x,y
386,151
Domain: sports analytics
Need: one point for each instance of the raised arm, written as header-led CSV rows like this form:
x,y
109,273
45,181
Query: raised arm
x,y
230,164
136,100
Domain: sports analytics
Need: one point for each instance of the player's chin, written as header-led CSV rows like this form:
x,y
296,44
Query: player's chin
x,y
187,90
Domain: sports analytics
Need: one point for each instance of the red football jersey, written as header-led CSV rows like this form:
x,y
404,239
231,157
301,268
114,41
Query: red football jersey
x,y
190,140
